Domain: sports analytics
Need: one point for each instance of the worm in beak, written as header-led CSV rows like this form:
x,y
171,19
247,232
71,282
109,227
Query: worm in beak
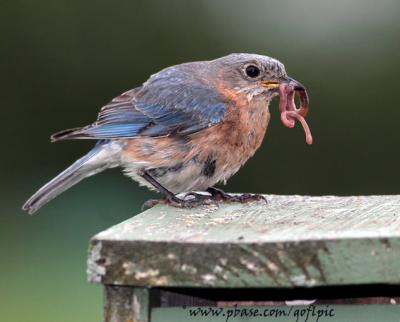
x,y
287,106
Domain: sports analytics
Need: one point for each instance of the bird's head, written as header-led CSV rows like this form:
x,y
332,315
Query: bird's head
x,y
250,74
262,77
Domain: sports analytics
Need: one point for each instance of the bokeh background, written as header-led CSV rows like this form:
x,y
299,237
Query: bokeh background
x,y
62,60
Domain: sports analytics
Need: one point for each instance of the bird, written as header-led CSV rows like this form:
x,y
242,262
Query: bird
x,y
187,128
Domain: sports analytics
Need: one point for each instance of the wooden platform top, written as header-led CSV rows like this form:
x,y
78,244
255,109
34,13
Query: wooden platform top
x,y
291,241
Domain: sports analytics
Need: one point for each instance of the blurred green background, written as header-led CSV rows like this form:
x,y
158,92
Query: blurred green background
x,y
62,60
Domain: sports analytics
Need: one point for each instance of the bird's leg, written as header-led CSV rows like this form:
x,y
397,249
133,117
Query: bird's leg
x,y
220,195
168,194
170,198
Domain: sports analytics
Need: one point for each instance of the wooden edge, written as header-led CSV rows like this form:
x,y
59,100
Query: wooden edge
x,y
290,264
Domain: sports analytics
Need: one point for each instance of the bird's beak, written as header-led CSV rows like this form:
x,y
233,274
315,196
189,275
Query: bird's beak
x,y
275,84
270,84
297,85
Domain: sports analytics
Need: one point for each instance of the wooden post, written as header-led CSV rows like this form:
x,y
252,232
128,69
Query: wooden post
x,y
126,304
291,242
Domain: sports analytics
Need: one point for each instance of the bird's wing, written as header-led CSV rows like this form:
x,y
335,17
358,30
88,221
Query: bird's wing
x,y
155,109
179,105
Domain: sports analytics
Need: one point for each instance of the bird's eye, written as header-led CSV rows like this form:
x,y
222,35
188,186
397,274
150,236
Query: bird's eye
x,y
252,71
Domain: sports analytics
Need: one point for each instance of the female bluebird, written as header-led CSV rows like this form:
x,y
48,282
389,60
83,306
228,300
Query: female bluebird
x,y
187,128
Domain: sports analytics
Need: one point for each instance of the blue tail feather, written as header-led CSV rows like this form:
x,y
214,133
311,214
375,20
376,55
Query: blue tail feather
x,y
101,157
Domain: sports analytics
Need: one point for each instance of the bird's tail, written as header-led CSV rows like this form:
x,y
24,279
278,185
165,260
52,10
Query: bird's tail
x,y
104,155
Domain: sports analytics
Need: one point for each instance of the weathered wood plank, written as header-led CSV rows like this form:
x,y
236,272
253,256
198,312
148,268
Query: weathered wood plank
x,y
291,241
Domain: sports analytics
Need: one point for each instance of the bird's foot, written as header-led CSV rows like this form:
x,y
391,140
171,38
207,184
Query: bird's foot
x,y
220,195
197,196
196,200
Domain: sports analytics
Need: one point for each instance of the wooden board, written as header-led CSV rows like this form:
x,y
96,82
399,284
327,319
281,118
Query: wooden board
x,y
291,241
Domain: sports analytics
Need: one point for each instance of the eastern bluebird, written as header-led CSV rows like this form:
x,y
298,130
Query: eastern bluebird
x,y
187,128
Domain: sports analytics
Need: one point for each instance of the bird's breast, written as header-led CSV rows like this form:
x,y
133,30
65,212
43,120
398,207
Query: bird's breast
x,y
233,141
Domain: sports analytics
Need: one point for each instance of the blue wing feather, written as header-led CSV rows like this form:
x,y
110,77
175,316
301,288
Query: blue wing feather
x,y
113,130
